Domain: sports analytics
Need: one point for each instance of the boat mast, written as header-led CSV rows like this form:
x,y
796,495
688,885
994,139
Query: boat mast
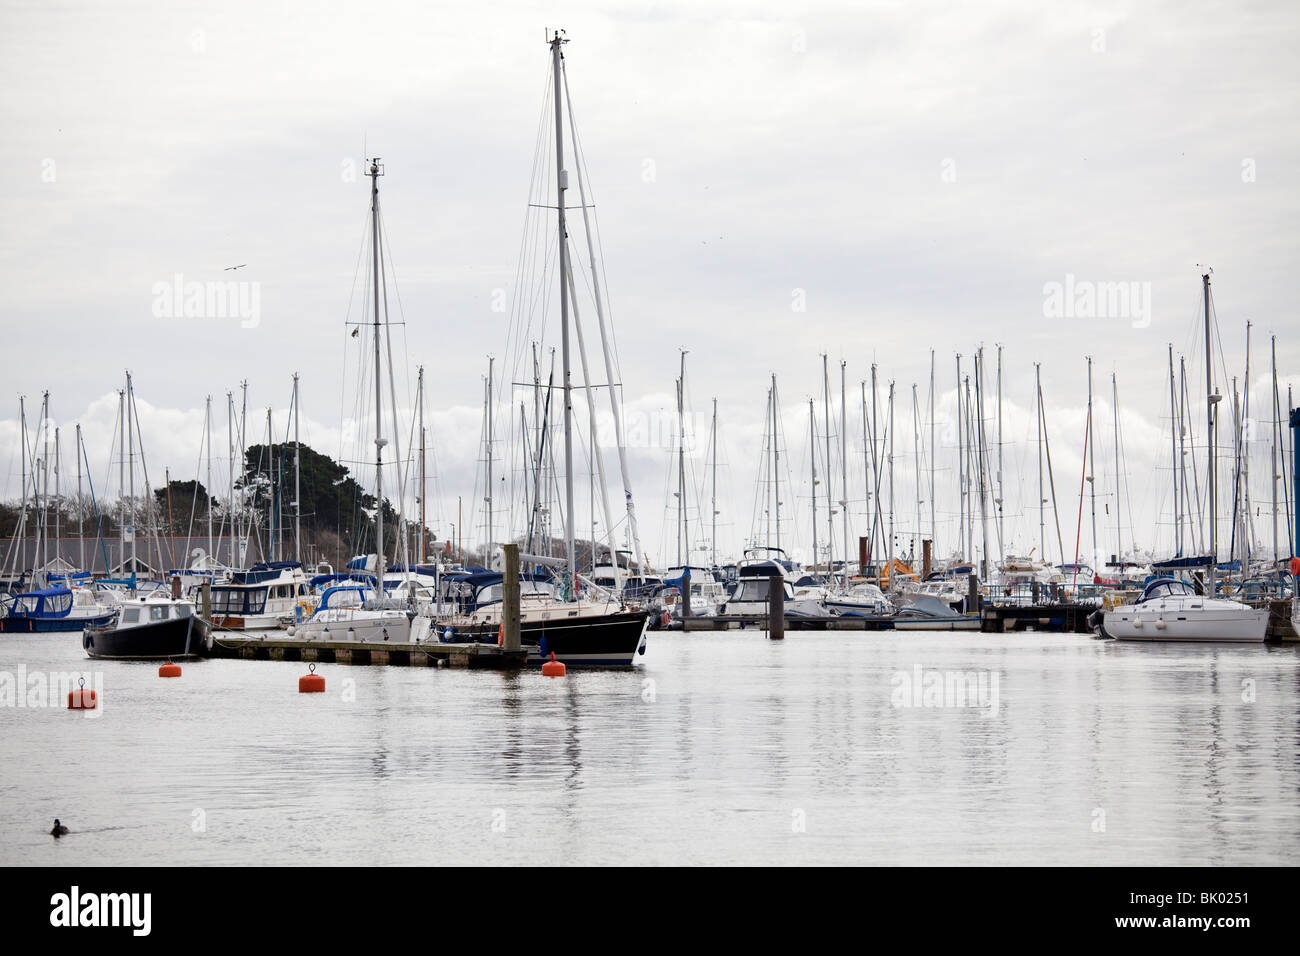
x,y
844,473
420,553
1000,525
890,544
933,533
561,184
487,553
916,466
713,533
830,490
297,478
866,475
81,522
1277,427
1248,523
230,469
633,531
1211,397
682,534
130,444
207,431
1091,453
374,173
776,466
58,494
981,458
45,484
961,469
1119,528
1042,502
1198,528
1173,453
812,457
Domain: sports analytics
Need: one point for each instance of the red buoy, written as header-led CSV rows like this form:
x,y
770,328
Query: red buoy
x,y
553,668
82,699
169,670
311,683
1295,567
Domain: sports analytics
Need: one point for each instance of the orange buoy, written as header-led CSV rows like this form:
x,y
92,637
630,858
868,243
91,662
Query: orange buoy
x,y
82,699
501,634
169,670
311,683
1295,567
553,668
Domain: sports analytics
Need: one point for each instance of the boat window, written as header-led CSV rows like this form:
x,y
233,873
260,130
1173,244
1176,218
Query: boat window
x,y
158,613
131,616
183,610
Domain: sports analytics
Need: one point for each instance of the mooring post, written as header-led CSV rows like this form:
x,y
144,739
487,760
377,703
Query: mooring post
x,y
776,607
176,588
686,593
510,599
207,601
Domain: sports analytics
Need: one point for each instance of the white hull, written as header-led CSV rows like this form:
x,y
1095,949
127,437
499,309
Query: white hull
x,y
364,626
1131,623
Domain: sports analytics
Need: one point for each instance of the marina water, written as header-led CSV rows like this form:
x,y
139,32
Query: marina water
x,y
834,747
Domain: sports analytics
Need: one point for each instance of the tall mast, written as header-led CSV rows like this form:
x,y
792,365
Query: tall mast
x,y
1273,442
1119,527
830,496
981,458
491,528
1042,502
1198,528
374,173
297,478
230,469
272,503
961,469
45,482
812,457
130,444
1001,527
866,472
890,546
1090,453
776,467
875,460
207,430
561,184
713,533
58,494
633,532
1173,452
1211,397
916,464
1245,428
420,553
844,472
81,523
933,533
683,537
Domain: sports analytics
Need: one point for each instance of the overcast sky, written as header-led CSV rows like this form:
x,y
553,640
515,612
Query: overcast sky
x,y
773,181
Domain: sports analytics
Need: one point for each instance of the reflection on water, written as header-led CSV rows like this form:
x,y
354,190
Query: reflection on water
x,y
721,748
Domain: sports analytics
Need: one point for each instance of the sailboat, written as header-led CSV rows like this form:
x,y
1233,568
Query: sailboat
x,y
1172,610
577,624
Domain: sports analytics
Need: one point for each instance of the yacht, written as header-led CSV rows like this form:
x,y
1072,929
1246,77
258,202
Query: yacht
x,y
353,612
259,598
156,627
1172,610
53,609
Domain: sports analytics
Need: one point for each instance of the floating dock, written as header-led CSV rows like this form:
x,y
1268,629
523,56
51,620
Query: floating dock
x,y
277,647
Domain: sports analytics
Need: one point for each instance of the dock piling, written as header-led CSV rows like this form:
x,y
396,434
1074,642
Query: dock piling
x,y
776,608
510,639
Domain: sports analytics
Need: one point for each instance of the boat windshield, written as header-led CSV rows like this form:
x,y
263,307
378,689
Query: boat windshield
x,y
1168,589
